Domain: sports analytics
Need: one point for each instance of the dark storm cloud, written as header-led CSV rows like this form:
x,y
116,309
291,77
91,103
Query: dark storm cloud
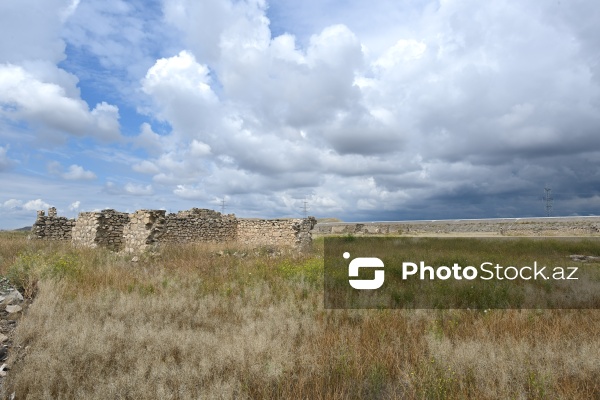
x,y
385,110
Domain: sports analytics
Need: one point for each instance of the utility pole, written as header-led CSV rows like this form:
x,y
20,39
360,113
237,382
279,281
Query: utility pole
x,y
223,206
548,200
305,208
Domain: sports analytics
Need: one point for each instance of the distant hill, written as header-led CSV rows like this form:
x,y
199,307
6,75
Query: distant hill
x,y
23,229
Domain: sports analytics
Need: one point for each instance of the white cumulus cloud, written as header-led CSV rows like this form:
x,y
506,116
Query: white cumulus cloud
x,y
48,104
76,173
12,204
138,190
34,205
75,205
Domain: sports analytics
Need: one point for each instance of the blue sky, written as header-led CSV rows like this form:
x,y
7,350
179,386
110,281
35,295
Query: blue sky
x,y
365,110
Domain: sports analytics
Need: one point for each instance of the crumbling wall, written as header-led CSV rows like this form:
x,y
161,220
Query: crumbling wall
x,y
279,232
145,228
199,225
103,228
303,231
84,231
52,227
559,226
137,231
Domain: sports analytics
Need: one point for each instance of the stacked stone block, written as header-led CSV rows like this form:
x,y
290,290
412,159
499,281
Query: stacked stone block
x,y
84,232
145,229
112,224
199,225
52,227
518,226
303,231
200,213
279,232
104,228
138,231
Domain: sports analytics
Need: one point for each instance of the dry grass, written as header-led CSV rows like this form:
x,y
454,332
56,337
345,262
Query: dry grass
x,y
11,245
191,323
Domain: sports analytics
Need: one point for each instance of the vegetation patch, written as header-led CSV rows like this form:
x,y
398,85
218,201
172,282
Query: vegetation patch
x,y
192,322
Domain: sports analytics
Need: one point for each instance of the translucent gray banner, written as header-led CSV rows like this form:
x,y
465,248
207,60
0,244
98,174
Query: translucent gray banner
x,y
467,272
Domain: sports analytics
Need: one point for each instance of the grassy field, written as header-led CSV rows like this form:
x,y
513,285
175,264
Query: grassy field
x,y
206,321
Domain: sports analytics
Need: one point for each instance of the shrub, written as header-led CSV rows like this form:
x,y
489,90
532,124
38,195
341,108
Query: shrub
x,y
30,267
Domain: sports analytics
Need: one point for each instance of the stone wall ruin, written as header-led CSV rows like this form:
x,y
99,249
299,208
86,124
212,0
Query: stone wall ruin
x,y
103,228
200,225
145,228
276,231
52,227
549,226
142,229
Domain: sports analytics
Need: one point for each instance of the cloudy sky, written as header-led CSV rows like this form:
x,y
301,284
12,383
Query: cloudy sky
x,y
379,110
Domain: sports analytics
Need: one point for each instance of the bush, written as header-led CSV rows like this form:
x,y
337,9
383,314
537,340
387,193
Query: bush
x,y
30,267
25,272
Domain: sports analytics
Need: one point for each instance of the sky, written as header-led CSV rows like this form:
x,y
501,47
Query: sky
x,y
382,110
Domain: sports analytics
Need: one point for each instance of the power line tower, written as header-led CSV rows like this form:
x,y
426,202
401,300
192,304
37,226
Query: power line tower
x,y
223,206
305,208
548,200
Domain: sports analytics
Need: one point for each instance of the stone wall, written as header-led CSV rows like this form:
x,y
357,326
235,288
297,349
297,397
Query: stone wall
x,y
52,227
103,228
280,232
84,231
145,228
136,232
199,225
557,226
